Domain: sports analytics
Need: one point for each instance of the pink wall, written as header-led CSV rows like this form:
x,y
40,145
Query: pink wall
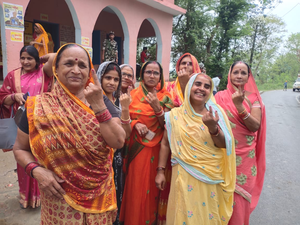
x,y
131,15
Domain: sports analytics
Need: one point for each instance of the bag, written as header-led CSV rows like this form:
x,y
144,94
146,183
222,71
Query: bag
x,y
8,130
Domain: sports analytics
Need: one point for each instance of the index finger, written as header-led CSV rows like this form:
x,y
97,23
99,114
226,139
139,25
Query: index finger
x,y
240,88
95,78
210,109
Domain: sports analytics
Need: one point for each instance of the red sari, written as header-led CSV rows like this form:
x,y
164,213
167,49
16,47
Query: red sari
x,y
140,199
250,151
35,83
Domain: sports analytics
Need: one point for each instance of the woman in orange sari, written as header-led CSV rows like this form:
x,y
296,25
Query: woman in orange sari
x,y
246,113
149,101
71,132
41,41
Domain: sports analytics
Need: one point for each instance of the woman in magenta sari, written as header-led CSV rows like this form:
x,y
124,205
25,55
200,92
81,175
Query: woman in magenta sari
x,y
246,112
34,78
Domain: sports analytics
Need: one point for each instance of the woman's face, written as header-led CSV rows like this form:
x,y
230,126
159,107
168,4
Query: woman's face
x,y
28,62
127,77
186,63
110,81
151,75
239,74
36,29
200,90
73,69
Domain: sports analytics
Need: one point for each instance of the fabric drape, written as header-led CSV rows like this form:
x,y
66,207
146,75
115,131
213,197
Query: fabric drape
x,y
42,37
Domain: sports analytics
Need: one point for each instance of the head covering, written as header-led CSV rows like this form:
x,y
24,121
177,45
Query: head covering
x,y
42,38
127,65
111,32
225,100
100,73
174,87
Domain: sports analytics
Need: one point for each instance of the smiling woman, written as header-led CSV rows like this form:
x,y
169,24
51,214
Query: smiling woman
x,y
74,171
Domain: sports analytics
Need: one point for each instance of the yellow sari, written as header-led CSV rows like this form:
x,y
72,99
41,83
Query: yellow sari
x,y
41,38
203,175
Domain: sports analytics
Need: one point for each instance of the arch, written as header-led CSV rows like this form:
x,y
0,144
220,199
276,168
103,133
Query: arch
x,y
125,30
75,21
158,39
3,43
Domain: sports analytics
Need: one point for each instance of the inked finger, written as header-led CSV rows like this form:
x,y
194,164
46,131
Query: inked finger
x,y
95,78
216,115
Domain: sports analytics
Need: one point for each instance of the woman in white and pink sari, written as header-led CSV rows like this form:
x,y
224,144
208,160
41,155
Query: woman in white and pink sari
x,y
35,78
246,113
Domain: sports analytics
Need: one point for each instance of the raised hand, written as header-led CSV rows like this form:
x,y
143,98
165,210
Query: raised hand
x,y
210,120
238,96
153,100
94,94
125,99
142,129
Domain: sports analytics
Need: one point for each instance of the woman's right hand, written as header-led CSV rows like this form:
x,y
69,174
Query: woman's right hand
x,y
160,180
125,99
49,182
19,98
142,129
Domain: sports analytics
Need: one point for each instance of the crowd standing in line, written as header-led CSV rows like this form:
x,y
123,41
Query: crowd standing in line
x,y
99,151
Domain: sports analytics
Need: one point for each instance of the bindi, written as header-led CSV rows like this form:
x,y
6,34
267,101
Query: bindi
x,y
76,59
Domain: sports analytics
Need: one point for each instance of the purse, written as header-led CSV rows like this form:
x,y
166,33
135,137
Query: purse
x,y
8,130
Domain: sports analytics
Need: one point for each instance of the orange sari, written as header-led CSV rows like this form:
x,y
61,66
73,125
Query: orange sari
x,y
65,137
42,38
140,199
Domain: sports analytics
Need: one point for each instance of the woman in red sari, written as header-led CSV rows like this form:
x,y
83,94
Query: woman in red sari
x,y
149,101
71,131
35,79
246,112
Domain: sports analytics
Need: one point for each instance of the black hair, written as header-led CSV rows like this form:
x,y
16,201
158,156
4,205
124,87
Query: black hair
x,y
220,75
249,70
144,67
145,48
66,47
116,67
33,53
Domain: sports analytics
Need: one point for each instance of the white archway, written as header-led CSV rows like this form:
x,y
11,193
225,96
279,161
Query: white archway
x,y
75,21
158,39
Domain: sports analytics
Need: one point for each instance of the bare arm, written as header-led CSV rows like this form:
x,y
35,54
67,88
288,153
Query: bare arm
x,y
161,119
48,60
111,130
164,152
125,100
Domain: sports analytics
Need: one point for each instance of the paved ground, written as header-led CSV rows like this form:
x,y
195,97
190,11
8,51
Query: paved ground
x,y
280,199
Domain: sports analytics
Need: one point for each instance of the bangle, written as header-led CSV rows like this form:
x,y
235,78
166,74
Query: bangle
x,y
104,117
100,110
128,121
29,168
12,96
240,113
247,116
160,113
159,168
243,114
217,133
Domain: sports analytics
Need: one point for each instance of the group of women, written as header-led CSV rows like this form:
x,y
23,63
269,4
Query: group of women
x,y
99,149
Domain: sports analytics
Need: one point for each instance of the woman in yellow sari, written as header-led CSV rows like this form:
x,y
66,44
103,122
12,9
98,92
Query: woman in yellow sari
x,y
203,158
71,131
41,41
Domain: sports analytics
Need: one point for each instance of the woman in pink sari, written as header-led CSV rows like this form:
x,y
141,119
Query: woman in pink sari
x,y
35,79
246,112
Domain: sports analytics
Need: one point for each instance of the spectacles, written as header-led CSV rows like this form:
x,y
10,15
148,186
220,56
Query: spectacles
x,y
127,75
149,72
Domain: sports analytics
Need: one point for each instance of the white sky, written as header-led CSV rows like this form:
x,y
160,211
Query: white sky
x,y
289,11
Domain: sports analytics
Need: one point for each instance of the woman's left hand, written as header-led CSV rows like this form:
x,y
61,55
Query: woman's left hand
x,y
153,100
125,100
210,120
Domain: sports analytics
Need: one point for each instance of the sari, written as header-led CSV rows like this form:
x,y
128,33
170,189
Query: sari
x,y
65,137
174,87
177,98
41,38
203,175
35,83
250,150
140,199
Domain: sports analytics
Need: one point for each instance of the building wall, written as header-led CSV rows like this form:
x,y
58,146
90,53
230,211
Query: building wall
x,y
83,15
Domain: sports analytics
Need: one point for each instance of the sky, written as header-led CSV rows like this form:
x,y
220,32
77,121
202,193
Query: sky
x,y
289,11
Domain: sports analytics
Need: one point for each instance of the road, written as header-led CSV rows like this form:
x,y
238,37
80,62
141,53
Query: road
x,y
280,200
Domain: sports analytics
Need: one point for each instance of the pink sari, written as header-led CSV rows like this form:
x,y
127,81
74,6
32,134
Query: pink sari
x,y
250,151
35,83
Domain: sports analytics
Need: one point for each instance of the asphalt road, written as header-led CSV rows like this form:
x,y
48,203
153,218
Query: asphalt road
x,y
280,200
279,203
